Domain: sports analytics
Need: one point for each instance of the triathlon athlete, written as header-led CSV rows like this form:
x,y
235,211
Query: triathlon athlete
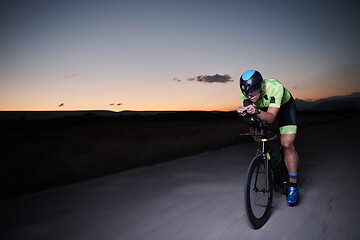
x,y
269,100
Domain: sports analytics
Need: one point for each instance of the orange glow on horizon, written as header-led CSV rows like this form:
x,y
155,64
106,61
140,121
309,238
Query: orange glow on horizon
x,y
228,103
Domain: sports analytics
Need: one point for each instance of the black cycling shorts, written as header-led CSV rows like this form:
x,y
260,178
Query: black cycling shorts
x,y
287,117
287,113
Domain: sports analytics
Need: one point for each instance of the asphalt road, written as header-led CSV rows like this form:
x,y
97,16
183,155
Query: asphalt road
x,y
201,197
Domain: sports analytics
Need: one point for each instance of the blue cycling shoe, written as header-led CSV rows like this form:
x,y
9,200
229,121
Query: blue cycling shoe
x,y
292,196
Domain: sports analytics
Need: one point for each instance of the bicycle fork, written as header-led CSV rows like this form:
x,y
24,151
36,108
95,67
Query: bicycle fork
x,y
266,157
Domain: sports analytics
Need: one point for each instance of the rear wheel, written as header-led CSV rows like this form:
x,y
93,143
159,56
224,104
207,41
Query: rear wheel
x,y
258,192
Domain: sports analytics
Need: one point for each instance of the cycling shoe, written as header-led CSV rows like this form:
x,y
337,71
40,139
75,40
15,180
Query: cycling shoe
x,y
292,196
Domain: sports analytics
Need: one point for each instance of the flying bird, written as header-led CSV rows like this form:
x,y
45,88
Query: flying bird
x,y
113,104
61,104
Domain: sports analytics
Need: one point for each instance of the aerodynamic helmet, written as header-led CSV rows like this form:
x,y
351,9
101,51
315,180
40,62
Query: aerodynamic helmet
x,y
250,81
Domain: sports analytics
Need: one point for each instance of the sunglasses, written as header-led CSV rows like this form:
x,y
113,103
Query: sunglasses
x,y
252,93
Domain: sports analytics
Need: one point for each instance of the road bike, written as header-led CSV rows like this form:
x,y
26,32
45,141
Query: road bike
x,y
266,173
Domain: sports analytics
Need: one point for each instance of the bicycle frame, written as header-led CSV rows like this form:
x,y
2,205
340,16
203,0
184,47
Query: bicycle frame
x,y
262,149
266,155
271,168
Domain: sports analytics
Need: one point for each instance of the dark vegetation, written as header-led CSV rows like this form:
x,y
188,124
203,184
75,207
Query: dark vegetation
x,y
40,154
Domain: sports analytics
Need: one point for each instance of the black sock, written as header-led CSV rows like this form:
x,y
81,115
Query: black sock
x,y
291,184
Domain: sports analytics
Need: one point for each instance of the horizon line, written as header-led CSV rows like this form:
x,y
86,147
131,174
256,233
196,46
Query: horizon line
x,y
167,110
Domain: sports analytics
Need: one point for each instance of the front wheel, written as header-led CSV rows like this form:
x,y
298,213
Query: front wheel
x,y
258,192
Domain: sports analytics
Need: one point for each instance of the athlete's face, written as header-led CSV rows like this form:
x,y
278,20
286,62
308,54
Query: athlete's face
x,y
254,96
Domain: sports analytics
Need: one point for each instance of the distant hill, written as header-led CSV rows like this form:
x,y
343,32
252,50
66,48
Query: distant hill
x,y
40,115
351,101
337,105
145,113
302,105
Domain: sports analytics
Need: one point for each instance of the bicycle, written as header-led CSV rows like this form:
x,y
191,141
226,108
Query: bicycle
x,y
266,173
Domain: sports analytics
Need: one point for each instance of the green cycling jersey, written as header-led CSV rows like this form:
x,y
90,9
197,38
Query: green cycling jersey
x,y
274,94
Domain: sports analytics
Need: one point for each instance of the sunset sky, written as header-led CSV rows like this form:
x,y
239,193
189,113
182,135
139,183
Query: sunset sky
x,y
171,55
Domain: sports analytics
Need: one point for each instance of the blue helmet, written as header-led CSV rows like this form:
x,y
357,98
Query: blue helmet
x,y
250,81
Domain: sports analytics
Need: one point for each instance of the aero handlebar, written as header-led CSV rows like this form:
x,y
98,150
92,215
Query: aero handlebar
x,y
256,134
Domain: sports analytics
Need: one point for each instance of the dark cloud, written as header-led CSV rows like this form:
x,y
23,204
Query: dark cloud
x,y
72,76
213,79
217,78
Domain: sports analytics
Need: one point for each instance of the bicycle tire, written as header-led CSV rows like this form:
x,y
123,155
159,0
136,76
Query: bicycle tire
x,y
258,212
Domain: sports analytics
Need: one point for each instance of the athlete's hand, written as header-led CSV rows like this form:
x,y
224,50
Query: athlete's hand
x,y
242,111
251,109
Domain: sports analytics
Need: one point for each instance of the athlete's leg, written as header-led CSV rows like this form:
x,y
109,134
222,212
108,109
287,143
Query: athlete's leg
x,y
287,123
291,156
292,163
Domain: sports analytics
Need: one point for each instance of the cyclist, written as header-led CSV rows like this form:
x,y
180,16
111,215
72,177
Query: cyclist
x,y
269,100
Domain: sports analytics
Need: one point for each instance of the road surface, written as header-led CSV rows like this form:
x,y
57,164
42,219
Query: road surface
x,y
201,197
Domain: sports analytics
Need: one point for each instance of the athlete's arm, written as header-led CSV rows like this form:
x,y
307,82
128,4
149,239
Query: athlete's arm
x,y
268,116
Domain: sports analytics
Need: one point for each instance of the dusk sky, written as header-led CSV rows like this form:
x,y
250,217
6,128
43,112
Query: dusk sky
x,y
172,55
